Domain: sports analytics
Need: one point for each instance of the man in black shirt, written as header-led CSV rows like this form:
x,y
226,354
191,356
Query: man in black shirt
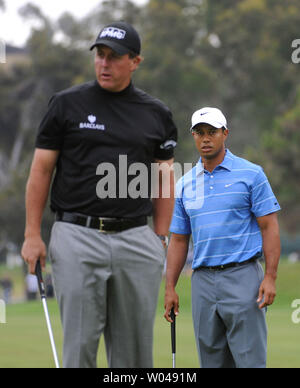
x,y
107,263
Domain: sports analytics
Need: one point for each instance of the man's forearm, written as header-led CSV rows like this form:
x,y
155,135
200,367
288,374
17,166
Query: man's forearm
x,y
177,253
37,189
162,215
36,197
163,205
176,258
271,248
271,242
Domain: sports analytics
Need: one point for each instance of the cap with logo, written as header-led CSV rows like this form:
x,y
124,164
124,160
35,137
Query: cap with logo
x,y
120,37
212,116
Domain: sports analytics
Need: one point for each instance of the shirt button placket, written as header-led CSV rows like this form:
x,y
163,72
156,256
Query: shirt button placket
x,y
211,183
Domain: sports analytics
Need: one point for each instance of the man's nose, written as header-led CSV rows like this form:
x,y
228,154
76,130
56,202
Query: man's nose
x,y
105,61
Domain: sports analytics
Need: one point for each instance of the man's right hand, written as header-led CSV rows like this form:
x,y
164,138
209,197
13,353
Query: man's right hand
x,y
34,249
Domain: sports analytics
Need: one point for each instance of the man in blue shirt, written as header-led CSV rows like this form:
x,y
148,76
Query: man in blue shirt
x,y
228,206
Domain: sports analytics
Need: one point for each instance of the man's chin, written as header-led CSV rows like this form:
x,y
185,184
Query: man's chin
x,y
209,155
107,86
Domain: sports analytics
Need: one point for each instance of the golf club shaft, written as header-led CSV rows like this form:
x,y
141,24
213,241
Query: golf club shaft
x,y
38,272
173,336
50,332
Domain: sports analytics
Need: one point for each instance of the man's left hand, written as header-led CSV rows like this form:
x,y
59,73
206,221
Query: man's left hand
x,y
267,292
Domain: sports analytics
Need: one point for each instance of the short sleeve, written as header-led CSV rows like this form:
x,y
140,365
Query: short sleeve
x,y
263,200
165,150
180,221
51,132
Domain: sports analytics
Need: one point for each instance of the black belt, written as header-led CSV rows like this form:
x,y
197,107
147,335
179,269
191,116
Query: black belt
x,y
104,225
229,265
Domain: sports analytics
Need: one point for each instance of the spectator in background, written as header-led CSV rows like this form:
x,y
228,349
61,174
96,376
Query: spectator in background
x,y
7,285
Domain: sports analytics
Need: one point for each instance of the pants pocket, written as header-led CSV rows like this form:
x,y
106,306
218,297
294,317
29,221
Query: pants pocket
x,y
260,271
156,240
52,243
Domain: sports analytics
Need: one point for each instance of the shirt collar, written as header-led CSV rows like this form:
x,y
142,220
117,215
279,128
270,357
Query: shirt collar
x,y
125,92
226,164
228,161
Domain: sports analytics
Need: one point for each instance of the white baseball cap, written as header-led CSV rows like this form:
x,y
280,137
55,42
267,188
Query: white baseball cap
x,y
212,116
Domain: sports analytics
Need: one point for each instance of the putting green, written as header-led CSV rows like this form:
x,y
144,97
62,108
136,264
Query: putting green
x,y
25,343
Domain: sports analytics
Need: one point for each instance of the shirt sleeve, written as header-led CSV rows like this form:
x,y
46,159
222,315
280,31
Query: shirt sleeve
x,y
263,200
180,221
51,130
165,149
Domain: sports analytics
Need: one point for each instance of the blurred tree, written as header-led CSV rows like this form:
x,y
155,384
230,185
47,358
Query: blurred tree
x,y
248,42
74,33
2,5
24,95
234,54
279,153
18,125
57,63
171,70
114,10
32,11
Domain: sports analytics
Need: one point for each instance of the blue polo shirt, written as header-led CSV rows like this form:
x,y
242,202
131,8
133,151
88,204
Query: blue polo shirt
x,y
220,208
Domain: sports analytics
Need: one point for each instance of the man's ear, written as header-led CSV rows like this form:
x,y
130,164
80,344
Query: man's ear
x,y
226,133
136,62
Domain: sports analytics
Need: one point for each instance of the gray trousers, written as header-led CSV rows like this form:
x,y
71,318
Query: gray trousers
x,y
230,329
106,283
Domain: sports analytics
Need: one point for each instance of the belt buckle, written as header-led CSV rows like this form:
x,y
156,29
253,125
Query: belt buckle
x,y
101,225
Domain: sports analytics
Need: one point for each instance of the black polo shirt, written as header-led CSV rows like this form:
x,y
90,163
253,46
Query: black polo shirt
x,y
91,126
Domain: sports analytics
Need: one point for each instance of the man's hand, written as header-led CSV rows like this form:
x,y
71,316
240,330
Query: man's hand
x,y
267,292
34,249
171,300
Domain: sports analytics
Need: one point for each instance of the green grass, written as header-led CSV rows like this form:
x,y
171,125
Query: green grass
x,y
24,340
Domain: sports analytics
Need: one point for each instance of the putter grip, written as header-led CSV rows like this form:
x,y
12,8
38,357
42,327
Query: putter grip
x,y
38,272
173,330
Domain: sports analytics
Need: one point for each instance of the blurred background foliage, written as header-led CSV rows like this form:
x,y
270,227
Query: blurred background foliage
x,y
233,54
